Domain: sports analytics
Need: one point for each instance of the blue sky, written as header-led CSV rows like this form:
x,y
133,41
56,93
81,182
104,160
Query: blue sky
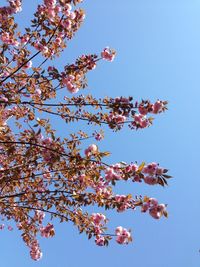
x,y
158,57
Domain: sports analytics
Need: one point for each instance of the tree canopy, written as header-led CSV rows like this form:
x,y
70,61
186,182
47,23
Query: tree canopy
x,y
42,174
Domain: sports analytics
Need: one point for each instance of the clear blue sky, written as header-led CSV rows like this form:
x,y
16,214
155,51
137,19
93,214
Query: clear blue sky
x,y
158,46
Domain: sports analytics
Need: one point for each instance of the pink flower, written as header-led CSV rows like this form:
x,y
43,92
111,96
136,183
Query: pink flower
x,y
158,107
123,235
6,38
105,192
58,41
151,180
108,54
68,7
111,174
69,83
100,240
38,92
73,15
25,39
47,231
98,136
150,168
67,24
123,203
131,168
117,119
155,213
44,49
137,178
156,210
140,121
51,13
98,218
38,46
58,9
91,150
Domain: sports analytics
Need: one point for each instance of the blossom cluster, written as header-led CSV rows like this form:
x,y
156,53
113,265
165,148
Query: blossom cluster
x,y
123,235
47,231
123,108
35,251
98,220
124,202
108,54
74,75
69,82
151,173
9,39
91,150
14,6
155,210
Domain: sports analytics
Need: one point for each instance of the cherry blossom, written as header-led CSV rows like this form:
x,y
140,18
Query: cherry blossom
x,y
123,235
108,54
